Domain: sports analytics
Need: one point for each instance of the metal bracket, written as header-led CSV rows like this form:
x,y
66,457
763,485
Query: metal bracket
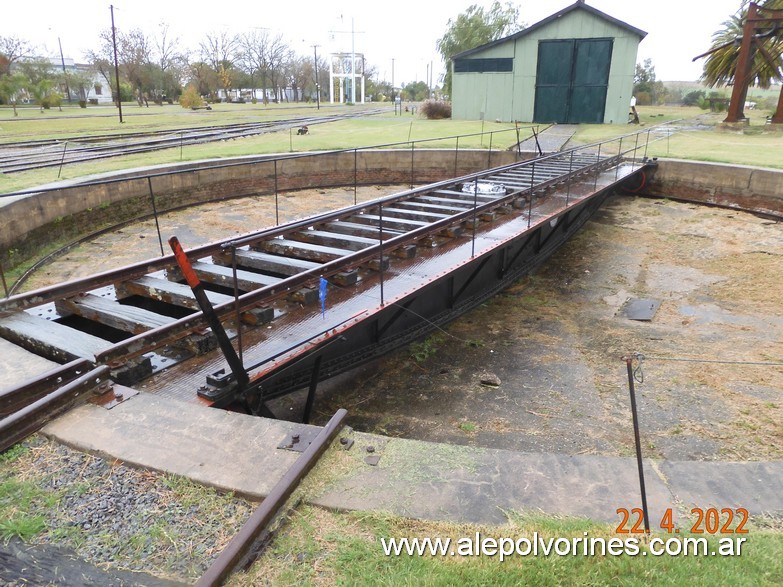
x,y
220,385
299,440
108,395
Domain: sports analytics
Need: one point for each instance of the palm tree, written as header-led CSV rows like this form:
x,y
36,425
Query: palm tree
x,y
766,64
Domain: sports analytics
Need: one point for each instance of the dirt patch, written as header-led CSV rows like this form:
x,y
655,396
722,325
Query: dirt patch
x,y
555,340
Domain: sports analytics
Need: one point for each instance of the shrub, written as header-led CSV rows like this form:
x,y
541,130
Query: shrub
x,y
190,98
436,109
693,98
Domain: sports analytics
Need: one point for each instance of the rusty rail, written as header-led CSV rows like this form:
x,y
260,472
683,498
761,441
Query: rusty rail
x,y
239,546
32,404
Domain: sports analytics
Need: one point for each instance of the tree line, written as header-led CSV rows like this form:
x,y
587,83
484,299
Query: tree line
x,y
154,67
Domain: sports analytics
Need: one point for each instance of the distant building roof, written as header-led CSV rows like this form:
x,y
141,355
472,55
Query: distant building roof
x,y
578,5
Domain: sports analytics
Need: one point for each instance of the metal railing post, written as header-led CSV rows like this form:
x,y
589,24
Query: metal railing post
x,y
597,171
380,247
412,149
277,203
635,147
475,205
530,194
456,156
355,175
489,155
155,214
236,300
619,159
570,177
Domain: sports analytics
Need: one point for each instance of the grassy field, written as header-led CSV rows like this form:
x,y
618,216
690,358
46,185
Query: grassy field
x,y
700,139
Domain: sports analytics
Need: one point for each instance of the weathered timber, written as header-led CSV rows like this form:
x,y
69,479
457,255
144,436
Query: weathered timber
x,y
278,265
357,229
50,339
112,313
332,239
176,294
425,207
402,224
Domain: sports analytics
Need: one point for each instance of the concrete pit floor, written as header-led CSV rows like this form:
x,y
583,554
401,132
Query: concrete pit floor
x,y
549,349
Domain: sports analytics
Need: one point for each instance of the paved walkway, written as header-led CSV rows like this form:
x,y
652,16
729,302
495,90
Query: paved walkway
x,y
553,138
412,478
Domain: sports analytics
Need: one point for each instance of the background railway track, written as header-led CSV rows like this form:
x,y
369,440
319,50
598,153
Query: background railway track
x,y
38,154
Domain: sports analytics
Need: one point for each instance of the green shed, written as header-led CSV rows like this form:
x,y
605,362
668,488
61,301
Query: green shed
x,y
575,66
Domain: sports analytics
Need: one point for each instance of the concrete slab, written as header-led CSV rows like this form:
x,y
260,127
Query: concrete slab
x,y
464,484
18,365
551,139
230,451
754,486
412,478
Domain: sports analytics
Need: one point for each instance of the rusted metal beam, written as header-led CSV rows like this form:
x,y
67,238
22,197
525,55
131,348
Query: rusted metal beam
x,y
35,415
239,546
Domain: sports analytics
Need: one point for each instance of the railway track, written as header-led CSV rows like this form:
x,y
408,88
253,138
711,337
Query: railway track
x,y
143,320
39,154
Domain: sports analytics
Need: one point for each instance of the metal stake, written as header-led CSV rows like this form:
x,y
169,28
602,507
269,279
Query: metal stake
x,y
62,160
628,361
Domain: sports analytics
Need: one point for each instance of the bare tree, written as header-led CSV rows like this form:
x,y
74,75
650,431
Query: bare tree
x,y
170,62
102,60
13,49
266,55
221,52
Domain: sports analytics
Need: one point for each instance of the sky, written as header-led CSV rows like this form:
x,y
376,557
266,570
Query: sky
x,y
397,37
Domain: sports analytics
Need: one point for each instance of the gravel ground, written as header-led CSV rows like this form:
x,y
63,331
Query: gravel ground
x,y
118,517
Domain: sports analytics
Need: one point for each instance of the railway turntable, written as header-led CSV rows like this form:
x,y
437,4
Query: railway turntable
x,y
310,299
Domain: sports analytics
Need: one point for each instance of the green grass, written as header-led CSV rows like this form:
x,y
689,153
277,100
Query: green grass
x,y
320,547
370,131
699,137
755,146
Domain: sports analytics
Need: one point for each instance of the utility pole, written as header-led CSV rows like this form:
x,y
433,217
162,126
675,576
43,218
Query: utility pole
x,y
317,87
394,97
65,73
116,65
353,65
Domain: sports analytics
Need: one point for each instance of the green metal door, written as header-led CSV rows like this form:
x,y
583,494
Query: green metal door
x,y
571,80
553,81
